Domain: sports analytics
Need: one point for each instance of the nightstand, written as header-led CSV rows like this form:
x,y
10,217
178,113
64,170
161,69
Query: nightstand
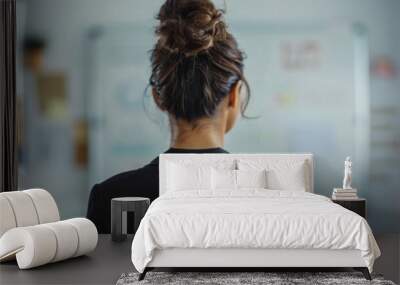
x,y
358,206
119,208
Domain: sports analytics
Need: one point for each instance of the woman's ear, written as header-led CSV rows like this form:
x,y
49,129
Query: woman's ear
x,y
234,95
157,99
233,106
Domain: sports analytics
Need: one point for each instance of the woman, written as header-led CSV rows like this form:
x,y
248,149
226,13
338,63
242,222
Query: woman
x,y
197,76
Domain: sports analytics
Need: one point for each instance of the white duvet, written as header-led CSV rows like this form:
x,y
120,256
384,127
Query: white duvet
x,y
250,219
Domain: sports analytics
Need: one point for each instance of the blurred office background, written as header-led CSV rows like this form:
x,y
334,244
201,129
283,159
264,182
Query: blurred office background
x,y
325,78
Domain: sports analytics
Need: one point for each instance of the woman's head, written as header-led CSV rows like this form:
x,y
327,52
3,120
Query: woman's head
x,y
197,67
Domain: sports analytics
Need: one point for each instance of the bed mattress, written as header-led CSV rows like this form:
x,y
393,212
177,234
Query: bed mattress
x,y
250,219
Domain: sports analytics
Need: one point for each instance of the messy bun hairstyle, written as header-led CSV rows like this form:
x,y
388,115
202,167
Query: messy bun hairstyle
x,y
195,61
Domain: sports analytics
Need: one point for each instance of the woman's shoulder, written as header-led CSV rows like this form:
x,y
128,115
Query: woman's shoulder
x,y
128,179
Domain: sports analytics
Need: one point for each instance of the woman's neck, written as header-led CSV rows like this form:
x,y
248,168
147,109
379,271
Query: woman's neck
x,y
204,133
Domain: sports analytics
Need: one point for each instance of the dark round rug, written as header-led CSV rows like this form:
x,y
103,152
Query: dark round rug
x,y
229,278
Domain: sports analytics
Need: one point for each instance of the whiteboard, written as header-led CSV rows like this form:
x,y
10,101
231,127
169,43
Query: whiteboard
x,y
306,95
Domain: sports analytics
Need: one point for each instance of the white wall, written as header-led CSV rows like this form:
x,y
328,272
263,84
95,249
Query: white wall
x,y
65,24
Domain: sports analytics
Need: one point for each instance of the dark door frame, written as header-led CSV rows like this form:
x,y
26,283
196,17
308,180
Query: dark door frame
x,y
8,126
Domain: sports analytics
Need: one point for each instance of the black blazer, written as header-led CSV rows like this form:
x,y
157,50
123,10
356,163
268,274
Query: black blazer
x,y
142,182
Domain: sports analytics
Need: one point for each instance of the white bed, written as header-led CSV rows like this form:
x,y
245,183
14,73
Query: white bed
x,y
249,227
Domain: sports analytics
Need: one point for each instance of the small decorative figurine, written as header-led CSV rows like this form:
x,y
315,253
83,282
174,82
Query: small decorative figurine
x,y
347,173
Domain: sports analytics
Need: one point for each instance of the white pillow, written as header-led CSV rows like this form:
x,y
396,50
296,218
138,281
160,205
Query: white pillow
x,y
227,179
223,179
187,177
281,174
251,178
289,179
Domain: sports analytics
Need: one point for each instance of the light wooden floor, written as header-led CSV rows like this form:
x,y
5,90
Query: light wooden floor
x,y
389,262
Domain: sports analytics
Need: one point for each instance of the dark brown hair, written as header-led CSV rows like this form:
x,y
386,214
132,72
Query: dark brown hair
x,y
195,61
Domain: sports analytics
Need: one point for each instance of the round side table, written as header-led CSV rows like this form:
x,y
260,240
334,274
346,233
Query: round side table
x,y
119,208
